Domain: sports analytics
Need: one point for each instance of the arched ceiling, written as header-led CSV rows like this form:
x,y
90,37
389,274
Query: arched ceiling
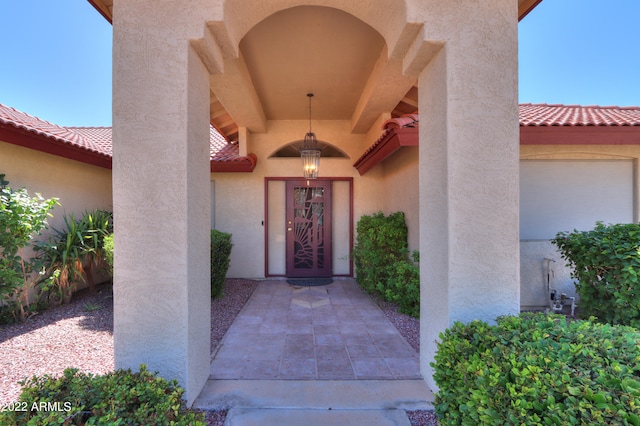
x,y
310,49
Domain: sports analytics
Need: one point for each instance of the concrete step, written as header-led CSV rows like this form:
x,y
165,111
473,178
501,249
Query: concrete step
x,y
282,417
320,395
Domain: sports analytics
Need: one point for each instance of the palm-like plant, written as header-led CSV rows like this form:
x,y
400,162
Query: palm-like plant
x,y
73,252
97,225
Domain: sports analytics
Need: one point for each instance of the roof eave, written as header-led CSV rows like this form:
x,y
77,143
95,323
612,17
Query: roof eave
x,y
38,142
239,165
526,7
393,140
102,9
579,135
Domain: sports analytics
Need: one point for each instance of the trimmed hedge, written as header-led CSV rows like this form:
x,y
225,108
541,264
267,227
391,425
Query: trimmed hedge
x,y
118,398
220,258
382,263
538,369
403,285
605,261
381,241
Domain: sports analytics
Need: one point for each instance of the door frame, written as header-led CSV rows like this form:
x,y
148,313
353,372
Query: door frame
x,y
349,180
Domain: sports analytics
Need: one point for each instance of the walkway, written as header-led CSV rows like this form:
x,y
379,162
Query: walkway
x,y
329,332
324,349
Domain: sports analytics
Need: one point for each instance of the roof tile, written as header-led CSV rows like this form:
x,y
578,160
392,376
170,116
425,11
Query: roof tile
x,y
21,120
99,139
577,115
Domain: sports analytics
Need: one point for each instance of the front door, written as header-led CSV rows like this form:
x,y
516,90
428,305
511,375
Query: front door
x,y
308,228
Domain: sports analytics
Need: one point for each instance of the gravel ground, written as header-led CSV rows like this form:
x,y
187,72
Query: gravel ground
x,y
80,335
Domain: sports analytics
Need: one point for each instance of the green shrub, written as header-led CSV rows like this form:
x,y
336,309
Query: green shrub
x,y
22,217
382,263
118,398
606,263
538,370
403,285
108,251
381,241
220,258
75,250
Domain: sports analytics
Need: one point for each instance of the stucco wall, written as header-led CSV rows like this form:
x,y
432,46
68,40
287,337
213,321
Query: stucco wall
x,y
401,190
78,186
399,173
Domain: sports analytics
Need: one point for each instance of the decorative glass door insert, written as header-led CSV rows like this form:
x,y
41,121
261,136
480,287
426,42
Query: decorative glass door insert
x,y
309,228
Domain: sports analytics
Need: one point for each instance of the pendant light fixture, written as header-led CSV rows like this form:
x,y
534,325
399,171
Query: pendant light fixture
x,y
310,152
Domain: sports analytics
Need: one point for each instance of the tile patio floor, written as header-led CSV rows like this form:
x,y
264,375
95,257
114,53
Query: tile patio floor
x,y
332,332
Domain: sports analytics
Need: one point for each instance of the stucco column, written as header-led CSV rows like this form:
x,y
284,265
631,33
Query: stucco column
x,y
161,194
469,156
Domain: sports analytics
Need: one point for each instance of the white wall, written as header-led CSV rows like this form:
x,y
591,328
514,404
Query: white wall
x,y
562,195
557,195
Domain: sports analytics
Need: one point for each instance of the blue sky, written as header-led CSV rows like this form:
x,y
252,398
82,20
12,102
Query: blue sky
x,y
581,52
57,57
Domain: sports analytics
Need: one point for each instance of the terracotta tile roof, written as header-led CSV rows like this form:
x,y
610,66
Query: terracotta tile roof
x,y
396,133
576,115
406,120
225,156
20,120
99,136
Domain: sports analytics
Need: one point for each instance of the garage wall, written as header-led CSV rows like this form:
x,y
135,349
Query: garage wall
x,y
562,194
558,195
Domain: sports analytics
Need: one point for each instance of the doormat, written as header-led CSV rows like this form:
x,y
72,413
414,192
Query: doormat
x,y
309,282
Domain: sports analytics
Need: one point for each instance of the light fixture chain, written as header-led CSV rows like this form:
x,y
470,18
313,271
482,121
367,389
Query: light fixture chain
x,y
310,95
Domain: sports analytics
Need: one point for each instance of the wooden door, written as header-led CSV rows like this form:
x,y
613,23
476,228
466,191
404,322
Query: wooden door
x,y
308,224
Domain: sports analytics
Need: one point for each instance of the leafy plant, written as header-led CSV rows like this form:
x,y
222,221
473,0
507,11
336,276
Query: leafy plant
x,y
605,262
22,217
98,224
108,251
72,253
403,285
122,397
221,246
538,369
64,257
382,263
381,241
